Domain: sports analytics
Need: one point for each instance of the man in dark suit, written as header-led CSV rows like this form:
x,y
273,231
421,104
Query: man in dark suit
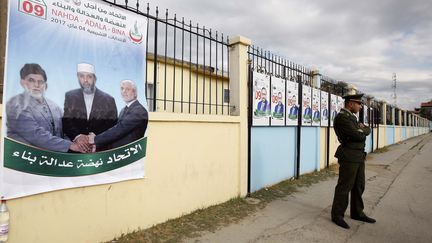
x,y
279,108
132,122
34,119
308,111
88,109
316,114
351,158
294,108
263,105
324,111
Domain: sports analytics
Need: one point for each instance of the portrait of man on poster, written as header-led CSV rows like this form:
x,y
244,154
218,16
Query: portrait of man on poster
x,y
88,109
34,119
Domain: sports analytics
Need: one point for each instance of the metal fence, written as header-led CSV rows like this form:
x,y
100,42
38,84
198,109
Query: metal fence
x,y
187,64
268,63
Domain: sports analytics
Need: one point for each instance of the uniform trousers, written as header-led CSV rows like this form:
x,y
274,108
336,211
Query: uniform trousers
x,y
351,179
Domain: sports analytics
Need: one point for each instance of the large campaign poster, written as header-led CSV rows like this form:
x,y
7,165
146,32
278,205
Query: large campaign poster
x,y
306,108
261,104
316,108
324,109
333,108
75,111
278,102
292,107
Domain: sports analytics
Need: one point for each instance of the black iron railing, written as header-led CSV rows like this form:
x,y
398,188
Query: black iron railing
x,y
187,64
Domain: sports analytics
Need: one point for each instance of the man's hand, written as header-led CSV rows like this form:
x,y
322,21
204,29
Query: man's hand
x,y
91,138
81,139
82,148
362,125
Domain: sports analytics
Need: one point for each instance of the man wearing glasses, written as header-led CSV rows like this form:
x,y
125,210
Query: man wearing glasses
x,y
35,120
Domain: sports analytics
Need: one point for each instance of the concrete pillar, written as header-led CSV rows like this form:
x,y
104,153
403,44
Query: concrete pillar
x,y
316,79
351,89
239,74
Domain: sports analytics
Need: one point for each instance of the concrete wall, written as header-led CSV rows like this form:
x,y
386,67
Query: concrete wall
x,y
323,148
390,135
398,134
310,149
382,136
185,171
273,159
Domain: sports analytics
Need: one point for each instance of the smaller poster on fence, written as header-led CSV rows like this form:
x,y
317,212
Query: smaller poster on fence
x,y
278,100
307,109
261,104
324,109
292,105
365,115
340,103
316,109
333,108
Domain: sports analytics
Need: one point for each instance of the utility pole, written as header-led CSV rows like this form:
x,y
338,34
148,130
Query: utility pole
x,y
394,86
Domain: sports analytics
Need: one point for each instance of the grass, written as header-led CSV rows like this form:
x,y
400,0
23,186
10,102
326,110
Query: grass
x,y
232,211
382,150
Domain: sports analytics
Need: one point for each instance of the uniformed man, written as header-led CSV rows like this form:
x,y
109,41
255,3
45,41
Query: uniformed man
x,y
351,156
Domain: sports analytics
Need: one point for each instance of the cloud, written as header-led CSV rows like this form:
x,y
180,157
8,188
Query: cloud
x,y
360,42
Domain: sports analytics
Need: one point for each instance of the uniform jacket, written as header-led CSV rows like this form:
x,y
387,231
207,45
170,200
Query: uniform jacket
x,y
103,113
131,126
29,123
351,137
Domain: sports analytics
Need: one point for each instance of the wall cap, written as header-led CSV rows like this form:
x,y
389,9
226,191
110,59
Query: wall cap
x,y
239,40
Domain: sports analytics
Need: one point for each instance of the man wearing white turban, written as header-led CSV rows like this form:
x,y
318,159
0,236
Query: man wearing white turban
x,y
88,109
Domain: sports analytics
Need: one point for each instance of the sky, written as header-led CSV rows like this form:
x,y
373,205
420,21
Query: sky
x,y
360,42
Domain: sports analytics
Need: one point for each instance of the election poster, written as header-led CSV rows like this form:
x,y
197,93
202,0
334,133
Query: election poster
x,y
365,115
292,103
333,108
324,109
74,75
306,108
278,102
340,103
261,104
316,107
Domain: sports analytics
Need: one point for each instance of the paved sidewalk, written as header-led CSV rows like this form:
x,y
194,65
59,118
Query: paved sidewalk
x,y
398,194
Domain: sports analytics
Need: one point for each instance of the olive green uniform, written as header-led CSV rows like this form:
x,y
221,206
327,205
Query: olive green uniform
x,y
351,157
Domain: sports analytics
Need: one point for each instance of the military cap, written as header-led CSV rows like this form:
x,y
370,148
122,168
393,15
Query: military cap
x,y
355,98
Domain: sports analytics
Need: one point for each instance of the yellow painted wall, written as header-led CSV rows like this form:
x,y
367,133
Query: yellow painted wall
x,y
334,143
185,171
398,134
382,136
170,88
375,139
323,150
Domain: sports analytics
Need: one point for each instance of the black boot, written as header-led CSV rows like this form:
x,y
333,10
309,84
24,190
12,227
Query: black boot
x,y
341,222
365,218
